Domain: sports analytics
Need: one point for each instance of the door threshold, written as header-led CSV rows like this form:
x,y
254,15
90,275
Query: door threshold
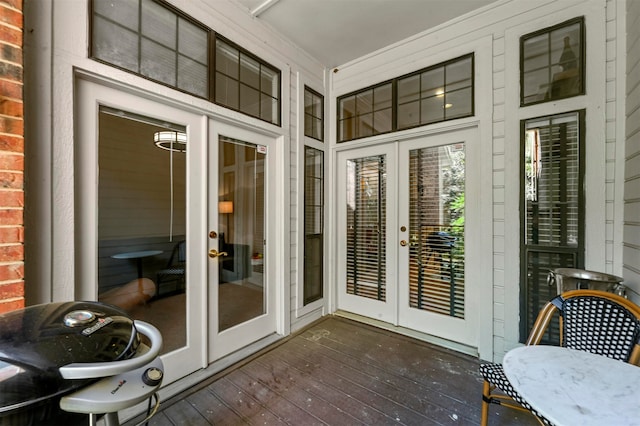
x,y
449,344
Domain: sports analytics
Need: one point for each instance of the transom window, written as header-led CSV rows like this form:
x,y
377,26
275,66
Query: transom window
x,y
245,84
365,113
552,63
313,114
152,39
438,93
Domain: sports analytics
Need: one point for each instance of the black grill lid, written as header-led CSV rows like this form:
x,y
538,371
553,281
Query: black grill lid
x,y
36,341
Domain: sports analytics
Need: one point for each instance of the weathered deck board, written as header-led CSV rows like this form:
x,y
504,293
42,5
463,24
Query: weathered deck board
x,y
340,372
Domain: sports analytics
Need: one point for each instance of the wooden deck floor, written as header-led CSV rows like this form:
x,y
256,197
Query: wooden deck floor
x,y
340,372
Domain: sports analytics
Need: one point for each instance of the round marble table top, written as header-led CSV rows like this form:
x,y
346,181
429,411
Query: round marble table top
x,y
136,254
570,387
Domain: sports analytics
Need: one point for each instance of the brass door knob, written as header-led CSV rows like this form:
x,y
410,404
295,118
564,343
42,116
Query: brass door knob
x,y
215,253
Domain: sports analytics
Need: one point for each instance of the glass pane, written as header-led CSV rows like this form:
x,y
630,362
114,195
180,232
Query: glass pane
x,y
383,121
269,109
364,102
458,104
552,181
159,24
365,125
536,53
250,72
115,45
408,89
382,97
436,223
552,66
142,224
249,101
241,212
270,83
308,102
192,41
348,107
536,85
433,82
192,76
227,59
366,227
316,129
227,92
347,129
458,75
538,291
432,110
317,107
123,12
313,224
408,115
158,62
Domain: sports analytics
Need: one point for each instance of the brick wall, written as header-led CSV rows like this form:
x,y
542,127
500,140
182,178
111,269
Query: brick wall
x,y
11,157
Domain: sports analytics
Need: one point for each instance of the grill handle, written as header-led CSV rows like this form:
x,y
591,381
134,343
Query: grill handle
x,y
92,370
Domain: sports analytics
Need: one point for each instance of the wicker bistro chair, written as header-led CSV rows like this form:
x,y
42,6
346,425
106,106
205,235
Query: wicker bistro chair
x,y
590,320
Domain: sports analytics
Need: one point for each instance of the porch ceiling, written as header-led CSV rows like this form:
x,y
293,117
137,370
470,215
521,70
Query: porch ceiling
x,y
338,31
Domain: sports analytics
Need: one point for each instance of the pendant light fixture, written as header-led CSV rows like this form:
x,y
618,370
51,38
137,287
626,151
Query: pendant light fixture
x,y
172,141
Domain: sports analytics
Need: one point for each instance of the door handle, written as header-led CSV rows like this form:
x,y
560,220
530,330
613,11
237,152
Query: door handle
x,y
214,253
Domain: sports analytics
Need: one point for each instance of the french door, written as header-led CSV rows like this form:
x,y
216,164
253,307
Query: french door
x,y
406,211
241,296
173,223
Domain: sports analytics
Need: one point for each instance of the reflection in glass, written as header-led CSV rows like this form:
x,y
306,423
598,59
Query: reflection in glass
x,y
366,227
241,223
313,224
142,222
552,191
436,221
552,63
366,113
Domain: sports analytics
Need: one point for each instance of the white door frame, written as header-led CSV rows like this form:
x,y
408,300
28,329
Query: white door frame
x,y
230,340
460,330
483,344
91,96
93,91
386,310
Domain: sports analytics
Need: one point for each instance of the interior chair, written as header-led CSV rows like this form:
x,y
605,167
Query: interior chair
x,y
175,269
590,320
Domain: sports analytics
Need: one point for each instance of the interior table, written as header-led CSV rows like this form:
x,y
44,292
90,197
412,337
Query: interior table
x,y
137,255
571,387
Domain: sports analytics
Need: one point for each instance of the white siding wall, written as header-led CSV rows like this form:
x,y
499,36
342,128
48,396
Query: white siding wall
x,y
632,156
504,22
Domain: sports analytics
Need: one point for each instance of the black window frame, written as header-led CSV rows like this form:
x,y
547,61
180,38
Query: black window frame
x,y
211,70
307,203
563,253
581,61
394,98
320,97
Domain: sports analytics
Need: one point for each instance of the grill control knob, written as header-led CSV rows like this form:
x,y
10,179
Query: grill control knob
x,y
152,376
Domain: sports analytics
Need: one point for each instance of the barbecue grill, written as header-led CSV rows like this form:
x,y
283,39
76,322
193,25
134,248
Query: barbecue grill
x,y
60,362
